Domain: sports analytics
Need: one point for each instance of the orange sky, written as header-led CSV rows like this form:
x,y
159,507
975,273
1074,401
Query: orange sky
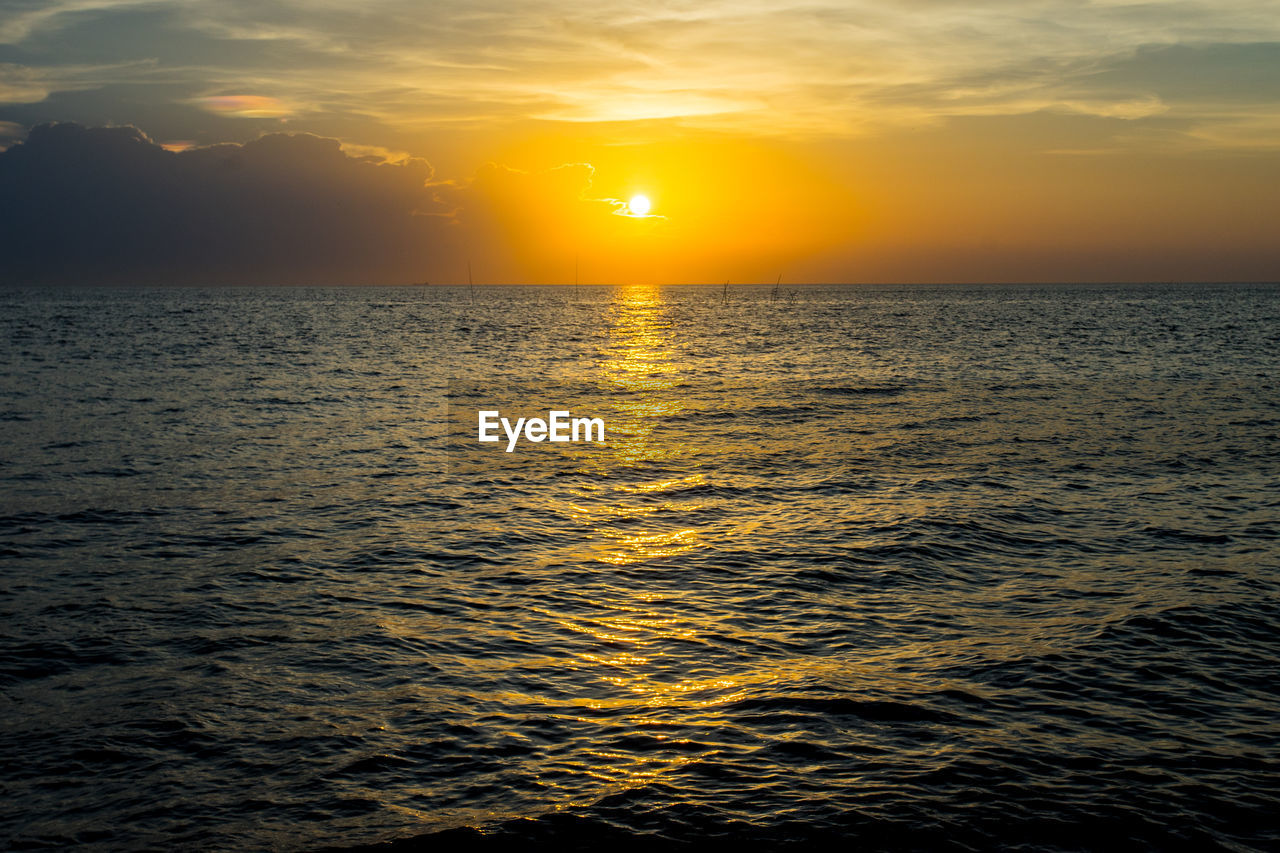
x,y
902,141
950,203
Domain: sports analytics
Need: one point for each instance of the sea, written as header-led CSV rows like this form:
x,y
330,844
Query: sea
x,y
872,567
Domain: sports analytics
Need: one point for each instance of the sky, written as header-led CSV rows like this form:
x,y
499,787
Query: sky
x,y
280,141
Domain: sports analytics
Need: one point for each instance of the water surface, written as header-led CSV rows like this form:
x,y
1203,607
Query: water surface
x,y
921,566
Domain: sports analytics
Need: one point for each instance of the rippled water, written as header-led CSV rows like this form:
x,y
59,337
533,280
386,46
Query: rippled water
x,y
910,566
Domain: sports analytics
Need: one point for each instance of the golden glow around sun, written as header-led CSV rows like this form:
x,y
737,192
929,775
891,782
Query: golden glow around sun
x,y
639,205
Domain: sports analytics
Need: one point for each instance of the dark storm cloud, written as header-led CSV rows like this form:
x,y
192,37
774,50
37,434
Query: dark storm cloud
x,y
109,205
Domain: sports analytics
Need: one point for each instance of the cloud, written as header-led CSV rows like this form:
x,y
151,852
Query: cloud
x,y
245,106
24,84
10,133
21,18
109,205
820,68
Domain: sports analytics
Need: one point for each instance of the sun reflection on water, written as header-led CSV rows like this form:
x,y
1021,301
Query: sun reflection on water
x,y
640,517
639,371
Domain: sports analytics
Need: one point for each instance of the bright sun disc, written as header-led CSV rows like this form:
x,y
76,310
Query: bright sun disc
x,y
639,205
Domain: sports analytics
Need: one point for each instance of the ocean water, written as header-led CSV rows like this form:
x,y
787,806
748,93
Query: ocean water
x,y
900,567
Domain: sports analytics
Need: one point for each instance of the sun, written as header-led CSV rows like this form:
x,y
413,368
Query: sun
x,y
639,205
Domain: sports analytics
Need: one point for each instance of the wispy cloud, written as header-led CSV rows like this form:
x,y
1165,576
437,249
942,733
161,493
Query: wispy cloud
x,y
20,19
245,106
27,84
765,67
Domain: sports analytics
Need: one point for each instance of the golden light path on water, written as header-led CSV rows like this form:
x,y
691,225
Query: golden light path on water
x,y
651,635
644,638
630,525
